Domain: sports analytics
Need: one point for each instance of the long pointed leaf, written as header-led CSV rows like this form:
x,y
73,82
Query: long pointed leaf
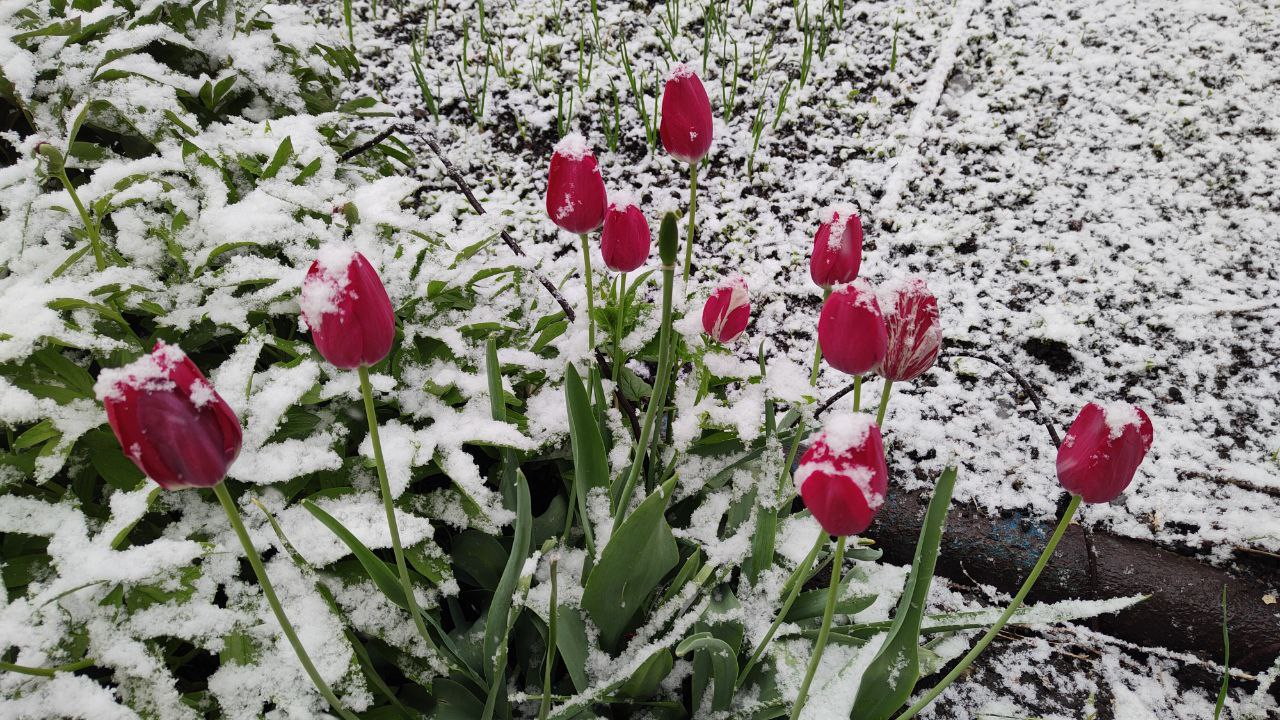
x,y
724,665
378,570
891,677
496,628
590,464
639,554
498,409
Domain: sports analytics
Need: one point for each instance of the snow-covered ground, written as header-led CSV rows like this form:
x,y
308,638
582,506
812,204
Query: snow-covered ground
x,y
1089,187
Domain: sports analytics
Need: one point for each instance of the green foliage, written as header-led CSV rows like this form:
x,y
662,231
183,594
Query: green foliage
x,y
639,554
891,677
185,183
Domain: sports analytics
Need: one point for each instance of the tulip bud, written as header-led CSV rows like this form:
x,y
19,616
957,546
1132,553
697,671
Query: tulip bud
x,y
727,311
169,420
625,240
837,248
575,190
914,333
347,309
668,240
686,115
842,476
1103,449
851,331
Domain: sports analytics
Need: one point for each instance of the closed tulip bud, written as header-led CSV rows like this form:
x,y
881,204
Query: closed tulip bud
x,y
1103,449
668,240
575,190
625,240
169,420
727,311
837,248
842,476
914,333
347,308
686,115
851,331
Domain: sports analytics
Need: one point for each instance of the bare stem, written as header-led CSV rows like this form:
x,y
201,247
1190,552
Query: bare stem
x,y
833,591
387,503
233,515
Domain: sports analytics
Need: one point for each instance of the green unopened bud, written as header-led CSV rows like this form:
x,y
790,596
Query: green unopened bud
x,y
52,154
668,240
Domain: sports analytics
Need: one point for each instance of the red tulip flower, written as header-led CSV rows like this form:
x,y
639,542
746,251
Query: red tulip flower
x,y
842,476
1103,449
169,420
851,331
837,249
625,240
914,332
727,311
347,308
575,189
686,115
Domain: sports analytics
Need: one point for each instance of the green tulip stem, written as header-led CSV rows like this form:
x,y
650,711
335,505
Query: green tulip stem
x,y
545,706
793,585
884,402
693,208
388,504
617,329
233,514
591,301
656,400
991,633
817,348
833,592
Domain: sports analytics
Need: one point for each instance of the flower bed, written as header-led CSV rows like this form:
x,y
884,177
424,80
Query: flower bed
x,y
466,481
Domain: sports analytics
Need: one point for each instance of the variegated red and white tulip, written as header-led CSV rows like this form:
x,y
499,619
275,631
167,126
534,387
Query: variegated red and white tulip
x,y
914,333
843,477
727,311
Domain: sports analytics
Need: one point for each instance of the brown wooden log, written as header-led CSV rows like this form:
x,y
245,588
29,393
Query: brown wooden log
x,y
1183,613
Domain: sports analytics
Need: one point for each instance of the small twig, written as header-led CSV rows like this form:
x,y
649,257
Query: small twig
x,y
1007,367
832,400
368,145
606,370
465,188
1234,482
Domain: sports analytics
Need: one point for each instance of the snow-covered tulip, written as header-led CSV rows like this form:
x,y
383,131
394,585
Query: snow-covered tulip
x,y
1096,461
347,308
686,115
180,432
626,238
169,420
1103,449
842,476
851,330
914,333
837,248
727,311
575,190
